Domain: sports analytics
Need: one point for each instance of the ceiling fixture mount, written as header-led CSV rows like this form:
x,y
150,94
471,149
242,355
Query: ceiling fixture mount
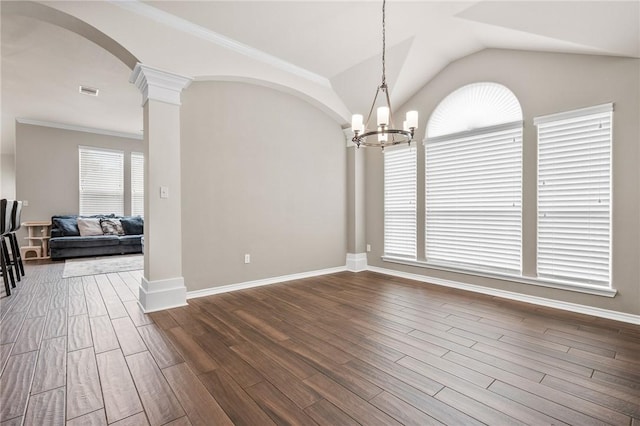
x,y
86,90
384,134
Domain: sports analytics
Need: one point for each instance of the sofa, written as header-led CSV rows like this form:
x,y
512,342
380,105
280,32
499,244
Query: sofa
x,y
98,235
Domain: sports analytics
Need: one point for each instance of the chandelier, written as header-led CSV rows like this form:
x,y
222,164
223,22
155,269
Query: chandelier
x,y
384,134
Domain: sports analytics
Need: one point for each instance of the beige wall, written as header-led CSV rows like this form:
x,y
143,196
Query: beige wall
x,y
544,83
7,176
47,168
263,173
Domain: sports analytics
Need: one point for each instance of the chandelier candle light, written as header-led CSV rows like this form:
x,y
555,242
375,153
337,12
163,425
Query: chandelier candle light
x,y
384,134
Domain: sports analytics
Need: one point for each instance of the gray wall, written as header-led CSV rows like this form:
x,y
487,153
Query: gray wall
x,y
544,83
263,173
47,168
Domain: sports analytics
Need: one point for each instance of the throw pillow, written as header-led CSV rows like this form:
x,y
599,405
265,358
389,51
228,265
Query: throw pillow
x,y
111,227
68,225
89,226
132,225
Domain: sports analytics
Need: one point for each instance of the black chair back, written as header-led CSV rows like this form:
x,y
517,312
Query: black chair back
x,y
5,216
15,216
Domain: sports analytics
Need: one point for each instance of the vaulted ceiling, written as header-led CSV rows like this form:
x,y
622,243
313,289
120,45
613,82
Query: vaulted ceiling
x,y
327,52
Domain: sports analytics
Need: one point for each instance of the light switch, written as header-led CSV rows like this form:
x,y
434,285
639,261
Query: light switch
x,y
164,192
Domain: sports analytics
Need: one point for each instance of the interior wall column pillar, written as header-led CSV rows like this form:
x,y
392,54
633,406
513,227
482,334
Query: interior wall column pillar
x,y
162,285
356,238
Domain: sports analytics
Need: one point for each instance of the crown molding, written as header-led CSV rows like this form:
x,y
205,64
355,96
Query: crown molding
x,y
75,128
158,85
195,30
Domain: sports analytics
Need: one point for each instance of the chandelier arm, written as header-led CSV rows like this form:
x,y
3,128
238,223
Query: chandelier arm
x,y
373,105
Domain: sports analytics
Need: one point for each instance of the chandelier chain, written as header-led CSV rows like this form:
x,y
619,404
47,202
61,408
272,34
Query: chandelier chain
x,y
384,76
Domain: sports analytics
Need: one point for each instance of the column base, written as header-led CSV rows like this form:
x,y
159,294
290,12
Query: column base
x,y
356,262
162,294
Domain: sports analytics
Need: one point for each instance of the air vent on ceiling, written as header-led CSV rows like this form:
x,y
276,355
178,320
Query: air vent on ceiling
x,y
86,90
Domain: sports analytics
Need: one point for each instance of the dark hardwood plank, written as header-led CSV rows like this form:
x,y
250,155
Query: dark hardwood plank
x,y
200,406
241,371
128,336
79,333
278,406
197,358
325,413
301,394
238,405
162,350
474,408
104,337
182,421
51,370
15,384
46,408
96,418
163,319
120,396
354,406
159,401
402,411
84,394
547,406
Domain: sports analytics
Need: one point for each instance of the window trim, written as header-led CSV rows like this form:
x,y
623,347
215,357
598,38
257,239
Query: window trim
x,y
518,279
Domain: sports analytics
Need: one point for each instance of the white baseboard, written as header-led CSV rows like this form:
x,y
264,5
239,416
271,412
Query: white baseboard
x,y
159,295
356,262
541,301
259,283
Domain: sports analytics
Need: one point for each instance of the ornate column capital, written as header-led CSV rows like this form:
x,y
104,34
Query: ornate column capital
x,y
158,85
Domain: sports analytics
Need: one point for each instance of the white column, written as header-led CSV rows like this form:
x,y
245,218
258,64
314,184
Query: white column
x,y
356,239
162,285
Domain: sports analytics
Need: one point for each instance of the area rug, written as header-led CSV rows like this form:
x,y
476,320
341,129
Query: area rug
x,y
102,265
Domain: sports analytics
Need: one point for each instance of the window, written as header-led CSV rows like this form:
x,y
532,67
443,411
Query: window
x,y
400,187
473,180
137,184
574,195
101,181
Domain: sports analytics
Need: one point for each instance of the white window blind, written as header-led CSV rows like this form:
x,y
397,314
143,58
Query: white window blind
x,y
400,187
474,199
574,195
101,181
137,184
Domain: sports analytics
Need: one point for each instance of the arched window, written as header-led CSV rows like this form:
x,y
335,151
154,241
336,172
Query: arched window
x,y
473,180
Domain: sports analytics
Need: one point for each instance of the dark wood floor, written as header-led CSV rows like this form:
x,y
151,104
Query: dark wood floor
x,y
341,349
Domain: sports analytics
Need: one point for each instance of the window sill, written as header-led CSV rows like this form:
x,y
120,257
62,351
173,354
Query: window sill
x,y
579,288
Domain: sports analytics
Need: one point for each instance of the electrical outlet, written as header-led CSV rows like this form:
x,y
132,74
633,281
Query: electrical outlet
x,y
368,247
25,203
247,258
